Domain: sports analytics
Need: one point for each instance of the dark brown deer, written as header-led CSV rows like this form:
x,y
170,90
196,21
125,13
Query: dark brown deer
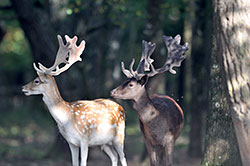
x,y
161,118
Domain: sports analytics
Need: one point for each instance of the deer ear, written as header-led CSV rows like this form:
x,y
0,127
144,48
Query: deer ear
x,y
143,80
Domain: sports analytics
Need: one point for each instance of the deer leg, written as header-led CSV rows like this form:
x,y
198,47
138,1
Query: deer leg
x,y
119,148
112,154
156,154
161,156
169,154
151,152
84,154
74,154
153,157
169,150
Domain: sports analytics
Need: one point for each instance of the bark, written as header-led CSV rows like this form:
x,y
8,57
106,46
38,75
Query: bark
x,y
220,147
232,25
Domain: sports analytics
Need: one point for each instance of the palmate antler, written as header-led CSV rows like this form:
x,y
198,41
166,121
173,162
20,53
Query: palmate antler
x,y
69,51
175,57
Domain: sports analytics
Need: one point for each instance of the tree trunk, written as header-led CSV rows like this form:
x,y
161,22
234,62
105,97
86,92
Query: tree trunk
x,y
36,25
2,31
232,24
200,51
37,28
153,32
220,147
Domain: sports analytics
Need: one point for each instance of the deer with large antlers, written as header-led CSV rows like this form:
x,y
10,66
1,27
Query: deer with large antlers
x,y
82,123
161,118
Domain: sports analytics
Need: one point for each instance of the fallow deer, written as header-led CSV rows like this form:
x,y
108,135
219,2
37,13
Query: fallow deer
x,y
82,123
161,118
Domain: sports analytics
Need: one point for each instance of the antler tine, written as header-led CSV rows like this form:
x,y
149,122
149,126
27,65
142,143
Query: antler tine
x,y
129,73
125,71
75,53
175,55
131,67
37,69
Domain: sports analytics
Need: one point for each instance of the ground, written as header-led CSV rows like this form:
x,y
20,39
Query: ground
x,y
181,159
97,157
25,141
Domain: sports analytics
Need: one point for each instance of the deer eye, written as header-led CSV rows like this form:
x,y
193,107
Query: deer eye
x,y
130,85
36,81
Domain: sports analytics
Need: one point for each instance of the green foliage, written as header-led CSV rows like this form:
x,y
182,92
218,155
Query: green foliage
x,y
128,11
14,50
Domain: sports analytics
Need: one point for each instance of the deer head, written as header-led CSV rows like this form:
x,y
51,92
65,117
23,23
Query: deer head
x,y
134,86
39,85
67,54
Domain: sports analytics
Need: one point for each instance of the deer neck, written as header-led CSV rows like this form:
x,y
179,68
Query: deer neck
x,y
52,97
144,107
56,105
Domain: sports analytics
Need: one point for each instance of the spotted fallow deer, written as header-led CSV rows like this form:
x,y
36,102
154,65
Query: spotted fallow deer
x,y
161,118
82,123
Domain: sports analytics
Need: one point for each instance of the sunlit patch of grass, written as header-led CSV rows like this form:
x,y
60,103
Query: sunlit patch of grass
x,y
132,129
183,139
134,144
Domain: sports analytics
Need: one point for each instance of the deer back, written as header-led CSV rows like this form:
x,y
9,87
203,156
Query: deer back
x,y
100,116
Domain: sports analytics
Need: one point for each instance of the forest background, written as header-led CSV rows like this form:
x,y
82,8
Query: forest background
x,y
113,31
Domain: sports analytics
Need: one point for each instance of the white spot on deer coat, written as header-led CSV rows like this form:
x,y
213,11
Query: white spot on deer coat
x,y
92,126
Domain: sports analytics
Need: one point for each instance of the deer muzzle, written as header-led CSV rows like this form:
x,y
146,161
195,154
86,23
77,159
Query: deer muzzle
x,y
25,90
113,93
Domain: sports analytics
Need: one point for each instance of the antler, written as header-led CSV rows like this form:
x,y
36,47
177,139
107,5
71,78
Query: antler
x,y
176,54
175,57
144,64
68,51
